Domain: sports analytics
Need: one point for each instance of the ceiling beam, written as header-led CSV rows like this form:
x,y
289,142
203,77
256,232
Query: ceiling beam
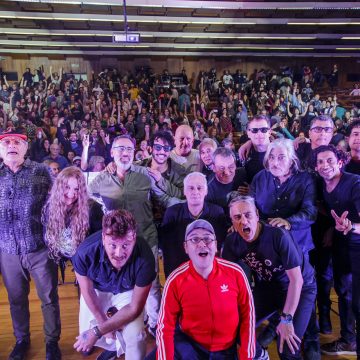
x,y
221,5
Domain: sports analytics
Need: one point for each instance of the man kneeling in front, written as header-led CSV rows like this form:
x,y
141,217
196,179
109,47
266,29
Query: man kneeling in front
x,y
115,271
206,306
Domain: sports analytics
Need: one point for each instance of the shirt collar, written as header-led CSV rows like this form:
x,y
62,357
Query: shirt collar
x,y
26,163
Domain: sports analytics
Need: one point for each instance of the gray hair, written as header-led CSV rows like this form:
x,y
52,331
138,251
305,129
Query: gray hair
x,y
94,160
241,198
286,144
208,141
224,152
122,137
193,174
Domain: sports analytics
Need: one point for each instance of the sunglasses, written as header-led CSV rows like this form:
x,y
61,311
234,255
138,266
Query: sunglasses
x,y
158,147
264,130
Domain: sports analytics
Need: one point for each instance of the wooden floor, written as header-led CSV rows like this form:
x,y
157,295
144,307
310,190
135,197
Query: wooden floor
x,y
69,318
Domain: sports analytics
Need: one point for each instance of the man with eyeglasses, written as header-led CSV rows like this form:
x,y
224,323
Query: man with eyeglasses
x,y
206,306
320,133
284,279
131,188
24,188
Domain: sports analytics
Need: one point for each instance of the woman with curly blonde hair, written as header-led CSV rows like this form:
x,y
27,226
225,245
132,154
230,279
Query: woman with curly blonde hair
x,y
66,214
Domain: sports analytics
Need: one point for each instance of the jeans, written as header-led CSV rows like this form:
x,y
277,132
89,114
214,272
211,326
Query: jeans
x,y
16,271
347,286
269,298
152,305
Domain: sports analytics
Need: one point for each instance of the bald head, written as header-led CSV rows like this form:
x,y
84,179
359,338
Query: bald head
x,y
184,140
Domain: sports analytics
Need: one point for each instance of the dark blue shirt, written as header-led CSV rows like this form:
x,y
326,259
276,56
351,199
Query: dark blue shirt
x,y
294,201
219,193
345,197
269,256
92,261
353,167
172,231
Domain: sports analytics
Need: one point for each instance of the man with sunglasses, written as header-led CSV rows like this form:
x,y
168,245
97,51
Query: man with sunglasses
x,y
167,173
206,306
258,131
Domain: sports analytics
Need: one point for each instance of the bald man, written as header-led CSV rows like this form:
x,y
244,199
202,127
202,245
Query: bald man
x,y
183,153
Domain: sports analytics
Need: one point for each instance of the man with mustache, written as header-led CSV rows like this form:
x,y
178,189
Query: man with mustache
x,y
115,270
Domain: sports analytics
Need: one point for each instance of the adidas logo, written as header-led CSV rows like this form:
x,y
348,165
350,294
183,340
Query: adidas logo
x,y
224,288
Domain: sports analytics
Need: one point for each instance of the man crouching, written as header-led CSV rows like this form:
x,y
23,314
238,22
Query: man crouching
x,y
115,277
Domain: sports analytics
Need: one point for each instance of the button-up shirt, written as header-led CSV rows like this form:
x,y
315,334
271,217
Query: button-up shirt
x,y
132,194
293,200
22,196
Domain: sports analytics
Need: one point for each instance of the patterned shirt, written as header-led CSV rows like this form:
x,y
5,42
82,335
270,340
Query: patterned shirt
x,y
22,196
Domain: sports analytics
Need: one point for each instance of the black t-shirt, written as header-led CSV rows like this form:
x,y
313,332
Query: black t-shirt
x,y
92,261
219,193
353,167
254,164
269,256
345,197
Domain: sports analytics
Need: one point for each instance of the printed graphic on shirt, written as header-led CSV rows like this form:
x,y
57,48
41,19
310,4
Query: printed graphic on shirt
x,y
263,267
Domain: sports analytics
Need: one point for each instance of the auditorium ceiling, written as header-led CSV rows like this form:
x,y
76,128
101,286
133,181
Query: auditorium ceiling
x,y
181,28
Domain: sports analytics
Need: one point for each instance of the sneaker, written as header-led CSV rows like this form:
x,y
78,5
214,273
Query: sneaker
x,y
107,355
263,356
53,351
266,337
152,331
19,351
339,347
312,350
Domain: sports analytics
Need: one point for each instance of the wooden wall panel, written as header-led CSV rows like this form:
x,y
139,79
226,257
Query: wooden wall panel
x,y
18,63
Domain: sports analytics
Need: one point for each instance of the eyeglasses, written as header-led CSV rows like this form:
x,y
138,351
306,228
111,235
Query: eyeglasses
x,y
319,129
158,147
206,239
123,148
264,130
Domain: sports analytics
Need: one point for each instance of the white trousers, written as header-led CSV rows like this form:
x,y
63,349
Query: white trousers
x,y
131,340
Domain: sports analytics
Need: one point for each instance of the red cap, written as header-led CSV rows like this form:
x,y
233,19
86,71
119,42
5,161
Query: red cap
x,y
21,136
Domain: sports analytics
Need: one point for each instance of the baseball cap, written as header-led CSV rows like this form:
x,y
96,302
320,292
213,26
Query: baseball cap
x,y
13,133
199,224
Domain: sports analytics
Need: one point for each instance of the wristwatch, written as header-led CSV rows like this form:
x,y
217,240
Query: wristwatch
x,y
288,318
353,227
97,332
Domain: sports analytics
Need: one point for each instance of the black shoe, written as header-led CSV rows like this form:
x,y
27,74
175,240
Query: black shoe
x,y
266,337
312,350
339,347
19,351
53,351
107,355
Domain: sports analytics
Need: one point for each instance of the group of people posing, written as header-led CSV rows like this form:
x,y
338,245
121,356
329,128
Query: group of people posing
x,y
240,245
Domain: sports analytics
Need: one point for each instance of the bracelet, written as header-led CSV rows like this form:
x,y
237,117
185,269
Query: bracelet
x,y
97,332
286,322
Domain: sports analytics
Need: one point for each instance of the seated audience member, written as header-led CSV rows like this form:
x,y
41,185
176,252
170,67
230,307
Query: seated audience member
x,y
227,178
177,217
284,279
229,144
202,286
285,197
183,153
115,271
66,214
354,143
206,149
72,144
55,156
96,163
53,166
341,196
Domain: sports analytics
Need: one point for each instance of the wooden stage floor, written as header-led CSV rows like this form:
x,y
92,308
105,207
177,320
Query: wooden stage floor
x,y
69,317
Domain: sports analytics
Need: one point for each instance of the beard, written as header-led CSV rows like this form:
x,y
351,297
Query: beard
x,y
123,166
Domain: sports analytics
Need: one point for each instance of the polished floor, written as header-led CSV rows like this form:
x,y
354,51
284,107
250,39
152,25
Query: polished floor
x,y
69,316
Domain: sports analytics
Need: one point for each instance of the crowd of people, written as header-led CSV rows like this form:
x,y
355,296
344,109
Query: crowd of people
x,y
245,184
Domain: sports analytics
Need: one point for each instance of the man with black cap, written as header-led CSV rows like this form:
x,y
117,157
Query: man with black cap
x,y
206,306
25,185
